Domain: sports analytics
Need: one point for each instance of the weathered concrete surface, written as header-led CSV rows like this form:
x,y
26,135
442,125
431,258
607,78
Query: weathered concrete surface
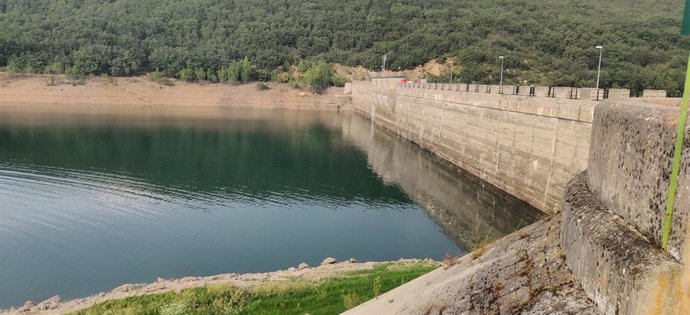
x,y
630,167
523,273
527,146
618,268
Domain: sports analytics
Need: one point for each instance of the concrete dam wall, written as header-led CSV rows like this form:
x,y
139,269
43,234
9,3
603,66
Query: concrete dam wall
x,y
605,165
527,146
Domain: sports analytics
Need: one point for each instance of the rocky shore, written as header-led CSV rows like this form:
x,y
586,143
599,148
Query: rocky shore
x,y
327,269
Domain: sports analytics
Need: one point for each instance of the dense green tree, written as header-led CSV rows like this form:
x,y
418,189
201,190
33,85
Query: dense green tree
x,y
318,76
545,42
245,69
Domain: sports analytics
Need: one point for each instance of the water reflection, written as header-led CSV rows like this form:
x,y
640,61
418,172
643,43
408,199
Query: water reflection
x,y
469,210
101,196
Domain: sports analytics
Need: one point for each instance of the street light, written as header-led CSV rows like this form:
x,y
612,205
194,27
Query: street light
x,y
601,51
451,73
500,88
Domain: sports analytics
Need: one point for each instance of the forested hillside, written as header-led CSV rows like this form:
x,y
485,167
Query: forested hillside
x,y
545,41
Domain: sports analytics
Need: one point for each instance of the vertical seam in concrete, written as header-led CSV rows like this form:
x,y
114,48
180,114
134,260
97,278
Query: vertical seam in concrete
x,y
553,155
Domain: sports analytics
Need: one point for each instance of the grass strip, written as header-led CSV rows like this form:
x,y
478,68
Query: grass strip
x,y
329,296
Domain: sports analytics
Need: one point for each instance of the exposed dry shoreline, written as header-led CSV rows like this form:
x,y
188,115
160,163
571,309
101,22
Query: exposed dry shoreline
x,y
58,90
302,273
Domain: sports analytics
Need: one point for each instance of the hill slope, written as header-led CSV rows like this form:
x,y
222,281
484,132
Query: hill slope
x,y
545,42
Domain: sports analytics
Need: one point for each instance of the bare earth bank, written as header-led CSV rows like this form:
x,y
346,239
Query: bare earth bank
x,y
58,90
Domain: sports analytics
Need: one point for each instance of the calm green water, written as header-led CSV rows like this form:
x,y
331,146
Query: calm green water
x,y
91,201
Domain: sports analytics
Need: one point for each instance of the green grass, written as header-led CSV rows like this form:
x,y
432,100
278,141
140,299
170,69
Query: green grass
x,y
330,296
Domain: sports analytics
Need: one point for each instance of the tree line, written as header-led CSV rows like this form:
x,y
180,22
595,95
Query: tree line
x,y
547,42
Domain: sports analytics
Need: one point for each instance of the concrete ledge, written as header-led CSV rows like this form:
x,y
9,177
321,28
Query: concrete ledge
x,y
618,268
522,273
630,165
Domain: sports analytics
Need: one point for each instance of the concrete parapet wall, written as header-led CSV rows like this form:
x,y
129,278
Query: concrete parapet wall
x,y
527,146
590,94
563,92
654,93
539,91
630,165
613,213
618,268
620,93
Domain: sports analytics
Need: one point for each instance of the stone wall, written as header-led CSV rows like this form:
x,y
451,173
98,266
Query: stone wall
x,y
527,146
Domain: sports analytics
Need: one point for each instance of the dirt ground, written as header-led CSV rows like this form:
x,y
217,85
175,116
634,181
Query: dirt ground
x,y
58,90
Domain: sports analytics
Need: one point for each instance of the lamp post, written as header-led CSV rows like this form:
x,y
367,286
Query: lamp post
x,y
500,88
601,51
451,73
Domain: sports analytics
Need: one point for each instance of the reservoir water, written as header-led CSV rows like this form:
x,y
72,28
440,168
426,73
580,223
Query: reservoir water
x,y
99,197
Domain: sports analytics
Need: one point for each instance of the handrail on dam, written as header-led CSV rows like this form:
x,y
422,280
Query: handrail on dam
x,y
572,93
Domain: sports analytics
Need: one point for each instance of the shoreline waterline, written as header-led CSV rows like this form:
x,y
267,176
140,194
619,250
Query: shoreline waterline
x,y
303,272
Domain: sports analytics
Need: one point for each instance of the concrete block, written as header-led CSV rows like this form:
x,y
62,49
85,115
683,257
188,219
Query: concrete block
x,y
495,88
631,175
541,91
525,90
590,94
654,93
619,93
348,88
618,268
563,92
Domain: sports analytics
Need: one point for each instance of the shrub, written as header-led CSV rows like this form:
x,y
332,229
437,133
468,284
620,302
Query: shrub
x,y
295,84
29,69
280,76
75,75
261,86
338,80
159,78
186,74
200,74
55,68
52,81
245,70
12,68
318,76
